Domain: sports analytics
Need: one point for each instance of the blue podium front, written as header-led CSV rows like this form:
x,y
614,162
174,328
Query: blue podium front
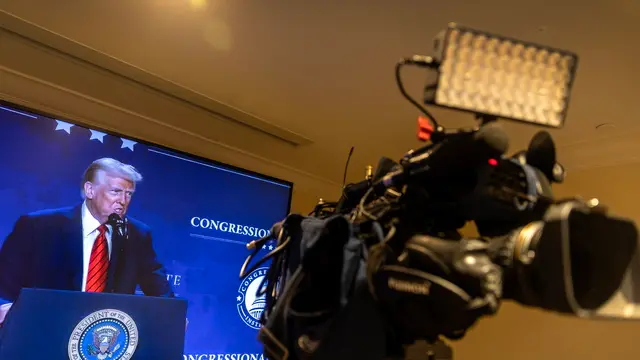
x,y
54,324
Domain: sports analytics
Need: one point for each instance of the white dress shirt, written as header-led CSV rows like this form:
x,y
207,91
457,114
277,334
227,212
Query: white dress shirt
x,y
4,309
90,232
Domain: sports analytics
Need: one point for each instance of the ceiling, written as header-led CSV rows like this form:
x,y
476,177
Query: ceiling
x,y
324,70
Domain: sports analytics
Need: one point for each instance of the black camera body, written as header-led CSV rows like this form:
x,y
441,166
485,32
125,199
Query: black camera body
x,y
390,263
386,265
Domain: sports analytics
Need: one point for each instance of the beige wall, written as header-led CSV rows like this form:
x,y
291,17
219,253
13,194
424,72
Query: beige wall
x,y
616,186
44,79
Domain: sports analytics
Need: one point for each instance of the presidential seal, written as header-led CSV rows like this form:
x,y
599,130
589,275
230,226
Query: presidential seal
x,y
250,306
105,334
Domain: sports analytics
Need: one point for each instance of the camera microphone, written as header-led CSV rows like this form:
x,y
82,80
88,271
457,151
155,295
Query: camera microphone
x,y
541,153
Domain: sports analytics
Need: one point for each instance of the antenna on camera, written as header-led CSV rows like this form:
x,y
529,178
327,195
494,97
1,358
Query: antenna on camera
x,y
346,167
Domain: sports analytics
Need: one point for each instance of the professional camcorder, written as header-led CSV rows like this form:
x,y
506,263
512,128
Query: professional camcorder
x,y
387,265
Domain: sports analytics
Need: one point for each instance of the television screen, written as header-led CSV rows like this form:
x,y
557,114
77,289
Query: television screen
x,y
60,180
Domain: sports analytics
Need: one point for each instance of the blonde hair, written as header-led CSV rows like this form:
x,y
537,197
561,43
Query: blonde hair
x,y
112,167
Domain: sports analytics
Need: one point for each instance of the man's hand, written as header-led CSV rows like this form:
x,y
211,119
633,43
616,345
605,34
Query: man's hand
x,y
4,309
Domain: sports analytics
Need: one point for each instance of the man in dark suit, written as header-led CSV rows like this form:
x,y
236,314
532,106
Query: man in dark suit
x,y
78,248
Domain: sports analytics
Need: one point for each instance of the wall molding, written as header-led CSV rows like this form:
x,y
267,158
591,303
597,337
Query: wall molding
x,y
45,37
6,72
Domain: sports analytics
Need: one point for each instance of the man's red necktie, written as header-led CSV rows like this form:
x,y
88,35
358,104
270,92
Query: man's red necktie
x,y
99,263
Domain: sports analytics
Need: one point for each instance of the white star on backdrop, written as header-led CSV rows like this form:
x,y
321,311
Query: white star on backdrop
x,y
270,247
238,298
97,135
127,144
65,126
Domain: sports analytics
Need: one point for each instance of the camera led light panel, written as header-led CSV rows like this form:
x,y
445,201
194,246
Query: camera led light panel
x,y
506,78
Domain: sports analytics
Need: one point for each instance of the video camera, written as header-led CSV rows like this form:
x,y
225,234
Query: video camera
x,y
386,265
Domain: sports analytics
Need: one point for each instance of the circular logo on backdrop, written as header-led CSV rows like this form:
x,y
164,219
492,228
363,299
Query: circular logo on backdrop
x,y
105,334
250,306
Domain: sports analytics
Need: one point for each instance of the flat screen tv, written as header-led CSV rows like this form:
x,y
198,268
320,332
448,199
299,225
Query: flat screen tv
x,y
198,215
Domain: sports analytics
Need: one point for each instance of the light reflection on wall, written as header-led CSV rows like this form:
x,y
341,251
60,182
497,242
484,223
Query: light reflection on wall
x,y
202,19
198,4
216,33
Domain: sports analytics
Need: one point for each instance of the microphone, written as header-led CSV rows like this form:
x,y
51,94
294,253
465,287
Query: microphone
x,y
541,154
119,224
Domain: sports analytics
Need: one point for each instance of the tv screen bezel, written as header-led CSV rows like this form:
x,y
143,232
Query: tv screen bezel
x,y
9,104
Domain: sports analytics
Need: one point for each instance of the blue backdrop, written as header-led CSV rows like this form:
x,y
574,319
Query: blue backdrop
x,y
41,167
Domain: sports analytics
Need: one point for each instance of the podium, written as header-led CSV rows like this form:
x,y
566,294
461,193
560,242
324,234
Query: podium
x,y
56,324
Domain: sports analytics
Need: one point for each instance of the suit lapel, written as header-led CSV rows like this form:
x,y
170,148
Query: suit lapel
x,y
74,241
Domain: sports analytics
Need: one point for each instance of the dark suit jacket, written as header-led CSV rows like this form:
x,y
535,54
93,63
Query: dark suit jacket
x,y
44,250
